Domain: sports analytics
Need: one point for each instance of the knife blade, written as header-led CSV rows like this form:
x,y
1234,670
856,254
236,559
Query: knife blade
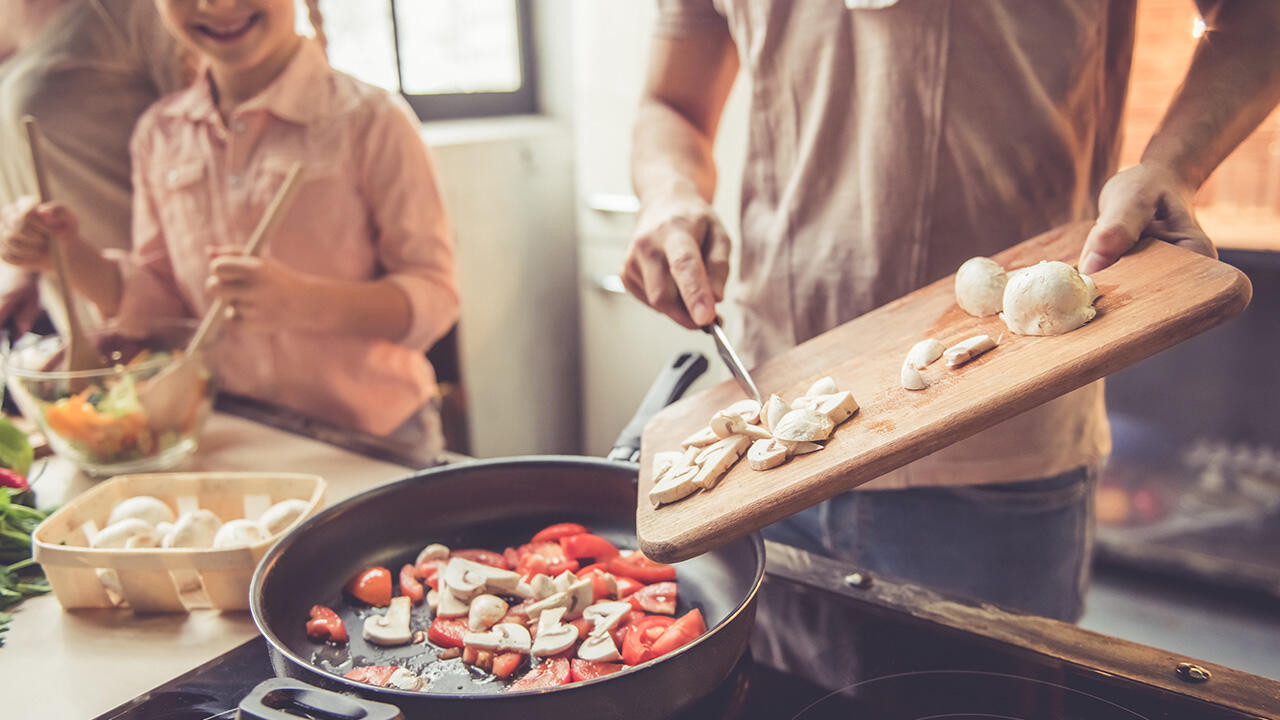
x,y
734,363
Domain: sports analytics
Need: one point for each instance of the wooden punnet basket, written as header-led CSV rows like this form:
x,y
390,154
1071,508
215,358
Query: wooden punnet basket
x,y
153,579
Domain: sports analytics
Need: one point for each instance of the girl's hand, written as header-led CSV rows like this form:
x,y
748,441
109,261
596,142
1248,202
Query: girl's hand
x,y
262,292
26,229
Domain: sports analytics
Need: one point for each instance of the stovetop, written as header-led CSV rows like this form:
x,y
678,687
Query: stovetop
x,y
833,643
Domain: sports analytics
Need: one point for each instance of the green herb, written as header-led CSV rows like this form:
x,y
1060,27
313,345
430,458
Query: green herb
x,y
20,576
15,450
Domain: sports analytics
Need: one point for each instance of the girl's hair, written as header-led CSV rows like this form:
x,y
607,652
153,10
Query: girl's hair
x,y
317,22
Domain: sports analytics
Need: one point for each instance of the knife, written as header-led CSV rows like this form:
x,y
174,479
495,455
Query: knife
x,y
732,360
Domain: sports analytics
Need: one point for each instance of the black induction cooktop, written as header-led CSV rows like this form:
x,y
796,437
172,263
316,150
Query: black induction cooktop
x,y
873,649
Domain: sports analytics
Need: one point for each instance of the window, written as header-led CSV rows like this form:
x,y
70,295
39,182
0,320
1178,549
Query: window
x,y
449,58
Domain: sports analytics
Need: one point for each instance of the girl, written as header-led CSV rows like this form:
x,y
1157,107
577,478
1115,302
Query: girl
x,y
333,319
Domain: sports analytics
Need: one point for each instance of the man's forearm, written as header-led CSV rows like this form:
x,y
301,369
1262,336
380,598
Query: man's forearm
x,y
94,276
670,156
1231,86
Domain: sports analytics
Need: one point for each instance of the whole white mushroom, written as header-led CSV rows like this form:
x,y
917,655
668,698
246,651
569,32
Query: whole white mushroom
x,y
128,533
151,510
1049,298
980,284
194,530
238,533
282,514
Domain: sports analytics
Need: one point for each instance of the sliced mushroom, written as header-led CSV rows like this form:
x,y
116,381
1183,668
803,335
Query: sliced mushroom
x,y
804,424
448,604
606,615
503,637
911,377
485,612
434,551
924,353
725,424
555,601
580,596
599,648
391,628
748,410
718,462
554,637
565,580
963,352
735,444
766,454
822,386
404,679
702,438
837,407
774,409
467,578
662,462
543,586
433,599
802,447
674,486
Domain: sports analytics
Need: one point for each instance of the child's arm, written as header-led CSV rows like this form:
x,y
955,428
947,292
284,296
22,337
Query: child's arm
x,y
25,242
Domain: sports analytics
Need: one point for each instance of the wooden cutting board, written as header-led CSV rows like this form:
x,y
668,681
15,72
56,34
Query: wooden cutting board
x,y
1154,297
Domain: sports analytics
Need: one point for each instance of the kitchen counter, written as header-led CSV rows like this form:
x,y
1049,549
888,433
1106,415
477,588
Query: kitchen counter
x,y
59,664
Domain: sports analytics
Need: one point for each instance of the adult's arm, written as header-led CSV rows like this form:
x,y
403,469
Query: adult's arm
x,y
1232,84
678,260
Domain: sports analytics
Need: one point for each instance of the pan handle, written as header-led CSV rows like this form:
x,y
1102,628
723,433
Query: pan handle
x,y
289,699
666,389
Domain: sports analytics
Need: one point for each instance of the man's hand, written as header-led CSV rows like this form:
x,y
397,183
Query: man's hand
x,y
263,292
26,228
1142,200
678,261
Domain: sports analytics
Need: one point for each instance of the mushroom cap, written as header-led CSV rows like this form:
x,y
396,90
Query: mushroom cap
x,y
1049,298
194,530
980,285
151,510
281,515
129,532
240,532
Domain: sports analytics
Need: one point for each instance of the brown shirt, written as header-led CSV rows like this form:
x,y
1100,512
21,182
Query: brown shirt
x,y
87,78
889,142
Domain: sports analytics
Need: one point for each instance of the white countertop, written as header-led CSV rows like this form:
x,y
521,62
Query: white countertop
x,y
60,664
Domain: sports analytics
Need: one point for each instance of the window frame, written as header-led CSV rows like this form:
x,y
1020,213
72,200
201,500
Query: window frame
x,y
457,106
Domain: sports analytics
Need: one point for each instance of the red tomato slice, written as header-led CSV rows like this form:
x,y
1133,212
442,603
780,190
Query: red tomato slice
x,y
655,598
372,674
641,568
429,572
641,636
447,632
582,572
620,631
371,586
580,669
484,557
584,626
586,545
326,625
553,672
506,663
603,585
688,627
546,558
627,585
409,585
557,531
511,556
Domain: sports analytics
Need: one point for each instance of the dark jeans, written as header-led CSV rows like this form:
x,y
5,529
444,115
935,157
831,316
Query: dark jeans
x,y
1024,546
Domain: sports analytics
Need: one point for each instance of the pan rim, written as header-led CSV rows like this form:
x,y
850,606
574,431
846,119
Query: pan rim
x,y
281,546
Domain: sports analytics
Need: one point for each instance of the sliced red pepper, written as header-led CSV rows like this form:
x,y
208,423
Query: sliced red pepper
x,y
580,669
689,626
484,557
11,479
557,531
447,632
511,556
429,572
641,568
506,663
655,598
372,674
371,586
555,671
641,636
409,585
586,545
626,585
326,625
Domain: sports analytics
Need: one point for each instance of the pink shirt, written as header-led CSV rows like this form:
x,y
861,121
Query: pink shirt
x,y
891,141
369,208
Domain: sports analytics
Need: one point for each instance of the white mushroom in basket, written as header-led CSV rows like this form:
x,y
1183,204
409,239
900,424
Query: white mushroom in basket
x,y
128,534
554,637
282,514
146,508
195,530
240,532
391,628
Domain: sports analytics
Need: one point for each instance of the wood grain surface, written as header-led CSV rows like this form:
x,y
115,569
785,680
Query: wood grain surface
x,y
1154,297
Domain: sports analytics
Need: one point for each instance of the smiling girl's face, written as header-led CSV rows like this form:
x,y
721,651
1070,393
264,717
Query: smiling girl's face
x,y
235,36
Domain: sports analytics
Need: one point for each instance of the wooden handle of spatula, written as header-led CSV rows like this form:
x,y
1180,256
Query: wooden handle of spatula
x,y
270,219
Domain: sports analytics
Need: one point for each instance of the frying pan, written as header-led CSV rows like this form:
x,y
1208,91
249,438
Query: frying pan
x,y
493,504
